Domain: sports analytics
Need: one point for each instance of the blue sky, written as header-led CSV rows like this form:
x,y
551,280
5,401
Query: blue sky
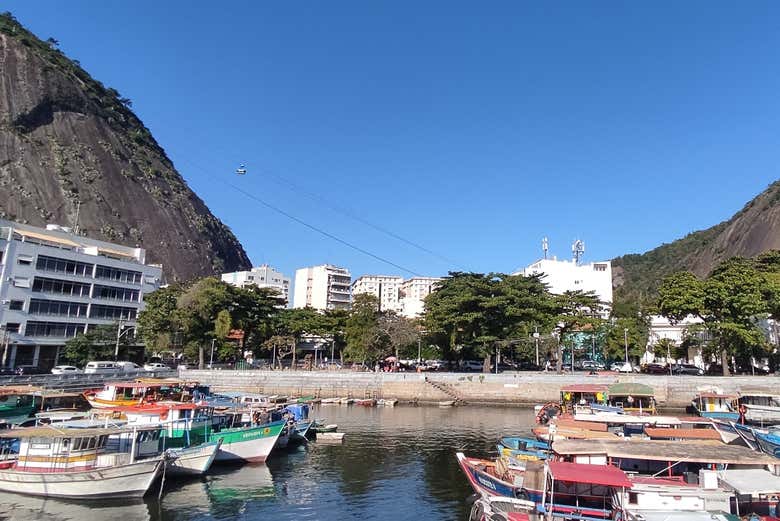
x,y
471,129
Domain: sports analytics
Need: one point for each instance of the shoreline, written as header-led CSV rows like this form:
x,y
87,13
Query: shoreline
x,y
524,389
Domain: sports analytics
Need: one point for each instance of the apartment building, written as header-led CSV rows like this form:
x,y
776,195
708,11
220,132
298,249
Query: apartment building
x,y
55,284
263,277
386,288
413,292
563,275
322,287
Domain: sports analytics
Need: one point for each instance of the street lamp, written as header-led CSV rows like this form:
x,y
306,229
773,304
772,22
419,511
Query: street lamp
x,y
120,334
625,341
536,341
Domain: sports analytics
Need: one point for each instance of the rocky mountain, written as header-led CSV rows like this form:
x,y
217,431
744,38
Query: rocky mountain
x,y
69,145
752,230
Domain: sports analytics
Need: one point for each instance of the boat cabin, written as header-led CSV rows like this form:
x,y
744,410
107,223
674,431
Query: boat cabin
x,y
663,458
58,449
582,491
632,398
671,494
714,404
584,395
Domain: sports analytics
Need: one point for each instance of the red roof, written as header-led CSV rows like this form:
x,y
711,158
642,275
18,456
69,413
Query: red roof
x,y
585,388
518,516
606,475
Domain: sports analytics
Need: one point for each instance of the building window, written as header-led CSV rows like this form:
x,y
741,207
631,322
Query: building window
x,y
600,267
16,305
118,275
60,287
12,327
114,293
53,329
112,312
23,261
66,266
57,308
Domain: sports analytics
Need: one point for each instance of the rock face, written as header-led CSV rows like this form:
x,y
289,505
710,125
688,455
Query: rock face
x,y
70,146
751,231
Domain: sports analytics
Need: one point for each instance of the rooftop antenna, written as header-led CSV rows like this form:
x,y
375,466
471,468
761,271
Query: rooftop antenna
x,y
577,249
545,246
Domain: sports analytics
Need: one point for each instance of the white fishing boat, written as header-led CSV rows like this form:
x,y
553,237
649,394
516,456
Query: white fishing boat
x,y
194,461
652,494
760,408
73,463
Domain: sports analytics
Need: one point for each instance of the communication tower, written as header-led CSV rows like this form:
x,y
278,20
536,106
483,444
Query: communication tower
x,y
577,249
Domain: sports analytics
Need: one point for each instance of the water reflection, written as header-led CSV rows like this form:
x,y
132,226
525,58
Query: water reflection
x,y
395,463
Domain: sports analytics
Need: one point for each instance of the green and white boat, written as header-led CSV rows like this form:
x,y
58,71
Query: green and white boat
x,y
252,444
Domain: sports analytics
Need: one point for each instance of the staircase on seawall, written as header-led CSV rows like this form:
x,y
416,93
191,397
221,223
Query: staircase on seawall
x,y
446,389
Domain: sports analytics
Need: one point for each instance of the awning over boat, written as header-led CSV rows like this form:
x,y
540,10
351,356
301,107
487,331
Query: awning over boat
x,y
716,395
47,431
630,389
651,450
584,388
682,434
19,389
750,481
605,475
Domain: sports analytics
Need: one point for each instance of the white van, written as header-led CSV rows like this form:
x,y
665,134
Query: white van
x,y
129,367
101,367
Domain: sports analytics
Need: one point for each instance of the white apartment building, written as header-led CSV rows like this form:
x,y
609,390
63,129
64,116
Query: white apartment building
x,y
386,288
562,276
263,277
55,284
322,287
413,292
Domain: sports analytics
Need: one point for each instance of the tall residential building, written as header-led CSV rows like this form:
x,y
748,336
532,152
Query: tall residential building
x,y
55,284
562,276
322,287
263,277
386,288
413,292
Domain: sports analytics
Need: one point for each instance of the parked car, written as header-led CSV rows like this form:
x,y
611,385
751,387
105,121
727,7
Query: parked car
x,y
434,365
654,368
155,366
101,367
65,369
473,365
627,368
129,367
689,369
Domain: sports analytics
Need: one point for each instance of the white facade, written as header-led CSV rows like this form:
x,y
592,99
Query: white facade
x,y
562,276
55,284
263,277
385,288
322,287
413,292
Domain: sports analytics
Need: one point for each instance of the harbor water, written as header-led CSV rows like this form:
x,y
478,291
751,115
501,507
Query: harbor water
x,y
395,463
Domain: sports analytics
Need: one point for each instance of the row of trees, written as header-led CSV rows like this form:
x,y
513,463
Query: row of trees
x,y
731,301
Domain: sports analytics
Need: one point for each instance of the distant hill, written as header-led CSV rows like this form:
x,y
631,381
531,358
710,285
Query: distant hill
x,y
752,230
69,144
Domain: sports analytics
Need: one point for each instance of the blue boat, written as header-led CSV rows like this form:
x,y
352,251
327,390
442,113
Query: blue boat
x,y
299,413
714,404
487,479
768,441
522,448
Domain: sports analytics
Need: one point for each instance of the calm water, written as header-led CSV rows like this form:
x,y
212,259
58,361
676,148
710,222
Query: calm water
x,y
396,463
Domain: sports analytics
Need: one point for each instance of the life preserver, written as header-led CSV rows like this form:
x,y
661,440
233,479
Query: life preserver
x,y
521,493
164,415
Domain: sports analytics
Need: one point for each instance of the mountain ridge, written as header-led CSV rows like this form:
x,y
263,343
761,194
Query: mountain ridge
x,y
752,230
69,146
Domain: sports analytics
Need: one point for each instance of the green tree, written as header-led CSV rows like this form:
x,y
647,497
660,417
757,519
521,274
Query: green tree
x,y
158,322
680,294
402,333
630,329
197,310
576,311
254,311
366,340
98,343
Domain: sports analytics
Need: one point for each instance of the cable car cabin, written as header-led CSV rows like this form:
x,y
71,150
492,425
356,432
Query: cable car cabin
x,y
573,396
241,170
633,398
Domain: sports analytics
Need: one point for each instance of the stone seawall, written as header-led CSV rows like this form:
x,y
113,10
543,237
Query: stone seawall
x,y
506,388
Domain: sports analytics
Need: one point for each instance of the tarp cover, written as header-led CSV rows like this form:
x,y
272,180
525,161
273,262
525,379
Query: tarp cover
x,y
606,475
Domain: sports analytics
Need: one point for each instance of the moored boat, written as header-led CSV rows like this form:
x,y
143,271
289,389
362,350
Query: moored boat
x,y
74,463
368,402
760,408
632,398
502,478
713,403
522,448
252,444
195,460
